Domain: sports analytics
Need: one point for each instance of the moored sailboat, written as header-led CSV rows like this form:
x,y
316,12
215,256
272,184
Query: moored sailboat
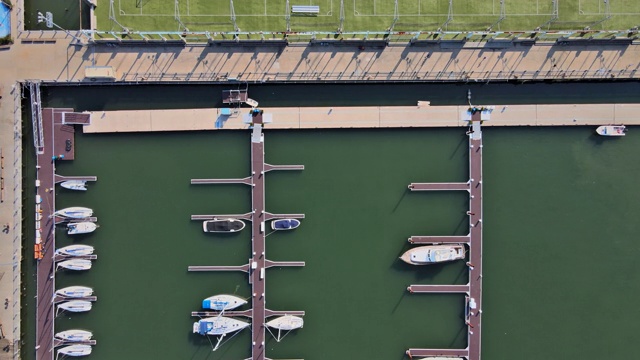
x,y
83,227
223,302
75,264
433,254
75,250
80,185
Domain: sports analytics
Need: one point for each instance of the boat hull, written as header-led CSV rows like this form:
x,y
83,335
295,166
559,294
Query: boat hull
x,y
78,185
75,291
75,264
75,250
223,302
287,322
81,228
75,306
434,254
611,130
74,335
76,212
223,226
285,224
218,326
75,350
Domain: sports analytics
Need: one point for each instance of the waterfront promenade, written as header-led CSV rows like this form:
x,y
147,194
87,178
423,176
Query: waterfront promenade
x,y
421,115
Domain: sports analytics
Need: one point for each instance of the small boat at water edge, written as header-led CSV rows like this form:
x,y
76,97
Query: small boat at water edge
x,y
433,254
83,227
75,264
75,306
612,130
223,225
223,302
75,250
75,291
80,185
285,224
287,322
220,325
75,335
75,212
75,350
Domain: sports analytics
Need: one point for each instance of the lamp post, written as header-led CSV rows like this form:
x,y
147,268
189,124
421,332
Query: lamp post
x,y
48,20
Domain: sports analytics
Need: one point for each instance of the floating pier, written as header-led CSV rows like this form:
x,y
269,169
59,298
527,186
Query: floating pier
x,y
474,240
60,178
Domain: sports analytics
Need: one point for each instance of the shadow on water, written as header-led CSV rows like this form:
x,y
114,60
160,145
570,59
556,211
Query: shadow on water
x,y
402,297
406,191
463,140
463,220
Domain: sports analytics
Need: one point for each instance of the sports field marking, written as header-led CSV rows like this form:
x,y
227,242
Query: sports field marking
x,y
588,7
362,8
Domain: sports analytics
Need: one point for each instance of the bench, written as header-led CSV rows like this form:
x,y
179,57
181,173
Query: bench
x,y
305,9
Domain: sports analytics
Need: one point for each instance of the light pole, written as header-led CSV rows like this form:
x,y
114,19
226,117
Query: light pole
x,y
48,20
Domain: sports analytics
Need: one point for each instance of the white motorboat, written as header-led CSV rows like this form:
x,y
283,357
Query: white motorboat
x,y
220,325
287,322
223,302
75,264
285,224
75,291
75,250
76,212
611,130
223,225
83,227
75,306
433,254
80,185
75,350
75,335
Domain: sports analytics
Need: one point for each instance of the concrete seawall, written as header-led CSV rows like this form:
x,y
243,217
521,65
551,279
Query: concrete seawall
x,y
422,115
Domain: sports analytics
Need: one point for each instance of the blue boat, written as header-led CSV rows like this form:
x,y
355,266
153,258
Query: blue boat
x,y
285,224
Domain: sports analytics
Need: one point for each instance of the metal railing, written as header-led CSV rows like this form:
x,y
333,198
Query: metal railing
x,y
36,115
17,215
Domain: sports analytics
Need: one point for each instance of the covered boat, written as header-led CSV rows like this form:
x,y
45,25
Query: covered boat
x,y
75,350
75,264
220,325
285,224
75,306
223,225
223,302
287,322
611,130
75,250
83,227
433,254
75,212
75,335
80,185
75,291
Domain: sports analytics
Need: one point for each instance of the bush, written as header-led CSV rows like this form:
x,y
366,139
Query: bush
x,y
7,40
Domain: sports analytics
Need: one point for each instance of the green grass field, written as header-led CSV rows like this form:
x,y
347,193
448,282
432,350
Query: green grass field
x,y
369,15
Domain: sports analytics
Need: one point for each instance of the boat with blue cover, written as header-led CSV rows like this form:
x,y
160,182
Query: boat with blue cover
x,y
285,224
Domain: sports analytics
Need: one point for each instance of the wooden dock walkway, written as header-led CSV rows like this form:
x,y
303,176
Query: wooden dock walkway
x,y
439,239
438,186
258,262
60,178
473,289
61,257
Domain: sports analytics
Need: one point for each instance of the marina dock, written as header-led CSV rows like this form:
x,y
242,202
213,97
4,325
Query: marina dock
x,y
258,217
439,240
52,136
473,289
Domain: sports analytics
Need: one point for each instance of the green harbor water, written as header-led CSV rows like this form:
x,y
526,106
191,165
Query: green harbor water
x,y
560,241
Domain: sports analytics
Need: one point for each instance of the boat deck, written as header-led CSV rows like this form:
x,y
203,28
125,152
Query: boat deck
x,y
474,240
55,137
258,261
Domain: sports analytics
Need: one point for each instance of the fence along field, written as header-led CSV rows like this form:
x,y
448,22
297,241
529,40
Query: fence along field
x,y
368,15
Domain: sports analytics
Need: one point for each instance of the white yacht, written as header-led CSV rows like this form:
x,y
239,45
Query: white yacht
x,y
223,302
218,325
75,250
287,322
83,227
75,306
611,130
76,212
75,350
75,264
75,291
75,335
223,225
433,254
80,185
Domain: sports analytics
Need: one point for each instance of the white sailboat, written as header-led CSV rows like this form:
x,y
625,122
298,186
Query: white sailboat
x,y
75,306
75,350
75,250
75,264
75,291
75,335
223,302
285,323
433,254
75,212
83,227
220,325
80,185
